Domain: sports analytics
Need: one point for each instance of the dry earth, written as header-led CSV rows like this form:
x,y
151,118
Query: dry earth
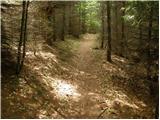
x,y
81,85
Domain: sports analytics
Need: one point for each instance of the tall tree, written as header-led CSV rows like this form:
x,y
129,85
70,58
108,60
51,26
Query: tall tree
x,y
79,15
23,37
122,30
109,32
84,18
116,21
150,19
70,18
102,24
63,22
54,24
25,33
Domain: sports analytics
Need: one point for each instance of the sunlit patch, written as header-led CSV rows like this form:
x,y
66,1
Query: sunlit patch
x,y
110,68
47,55
140,103
30,54
117,58
119,100
14,47
125,103
42,114
64,68
94,97
65,90
44,55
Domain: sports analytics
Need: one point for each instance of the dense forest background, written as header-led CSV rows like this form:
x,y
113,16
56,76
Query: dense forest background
x,y
108,48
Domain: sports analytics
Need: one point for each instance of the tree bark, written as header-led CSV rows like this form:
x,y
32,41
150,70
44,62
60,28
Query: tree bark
x,y
83,20
140,37
25,35
122,33
148,44
116,24
54,25
102,24
21,39
70,19
63,22
109,32
79,15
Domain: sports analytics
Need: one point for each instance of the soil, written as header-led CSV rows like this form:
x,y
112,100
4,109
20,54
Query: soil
x,y
82,85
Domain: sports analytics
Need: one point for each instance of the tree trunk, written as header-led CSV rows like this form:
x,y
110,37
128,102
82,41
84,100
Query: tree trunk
x,y
154,87
83,21
70,19
25,34
35,45
140,37
157,108
109,32
63,22
140,31
102,24
148,45
21,39
116,24
79,15
54,25
122,33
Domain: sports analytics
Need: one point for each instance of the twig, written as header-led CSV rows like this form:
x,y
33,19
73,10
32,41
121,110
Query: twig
x,y
101,113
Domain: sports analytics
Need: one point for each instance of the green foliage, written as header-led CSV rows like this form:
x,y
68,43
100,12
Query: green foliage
x,y
93,22
91,15
137,11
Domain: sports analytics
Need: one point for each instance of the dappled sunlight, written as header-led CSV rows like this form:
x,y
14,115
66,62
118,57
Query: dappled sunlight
x,y
64,68
38,67
113,69
96,97
77,86
43,54
30,54
47,55
119,59
45,114
123,103
89,36
65,90
42,114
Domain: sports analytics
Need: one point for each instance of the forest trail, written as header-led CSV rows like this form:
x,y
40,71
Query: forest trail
x,y
98,91
84,51
63,83
88,79
85,60
55,59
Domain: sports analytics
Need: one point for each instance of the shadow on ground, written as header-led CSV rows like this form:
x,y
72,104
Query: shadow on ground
x,y
50,86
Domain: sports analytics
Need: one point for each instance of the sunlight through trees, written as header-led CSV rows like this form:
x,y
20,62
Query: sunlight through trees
x,y
81,59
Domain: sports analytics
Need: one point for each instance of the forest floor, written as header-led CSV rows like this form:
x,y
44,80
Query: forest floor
x,y
72,79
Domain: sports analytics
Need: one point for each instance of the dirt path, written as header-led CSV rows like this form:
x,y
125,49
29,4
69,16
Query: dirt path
x,y
83,86
84,52
88,80
85,61
99,92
